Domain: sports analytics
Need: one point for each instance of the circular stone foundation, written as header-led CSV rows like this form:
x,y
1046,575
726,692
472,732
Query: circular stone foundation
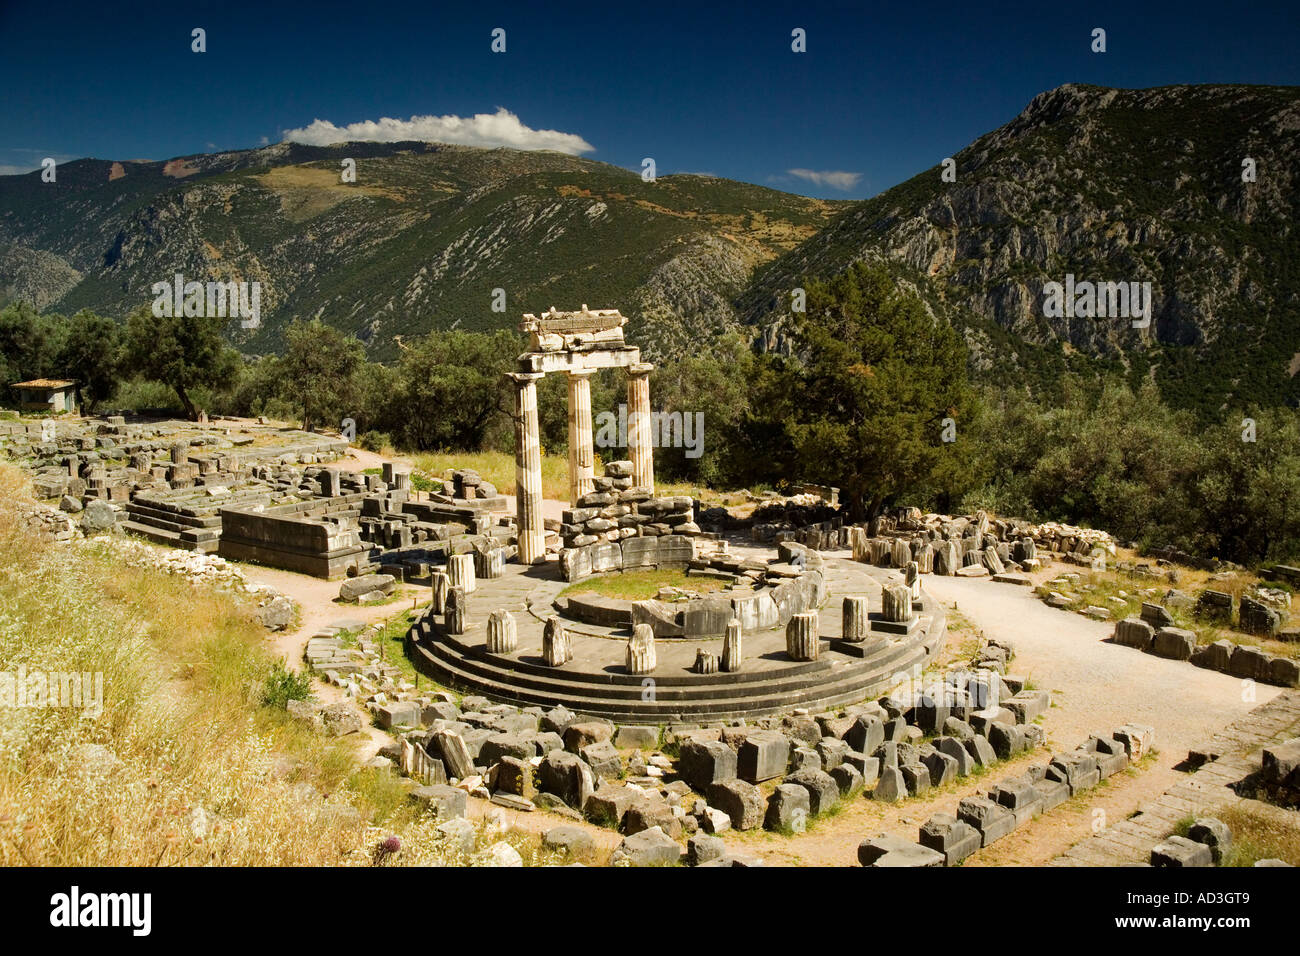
x,y
596,681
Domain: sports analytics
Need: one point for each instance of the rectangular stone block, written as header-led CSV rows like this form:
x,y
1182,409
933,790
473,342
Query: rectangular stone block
x,y
763,755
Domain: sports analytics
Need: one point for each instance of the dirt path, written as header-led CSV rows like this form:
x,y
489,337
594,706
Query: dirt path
x,y
1095,687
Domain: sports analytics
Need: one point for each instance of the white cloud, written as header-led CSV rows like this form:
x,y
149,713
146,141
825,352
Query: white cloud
x,y
501,128
9,170
834,179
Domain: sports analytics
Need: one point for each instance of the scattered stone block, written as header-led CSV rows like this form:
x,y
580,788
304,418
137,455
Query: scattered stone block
x,y
788,809
566,776
635,737
1007,740
954,838
847,778
568,839
650,847
892,851
442,800
651,811
609,805
823,791
1214,833
890,786
1077,770
992,820
704,763
1175,643
762,755
741,801
701,849
1178,851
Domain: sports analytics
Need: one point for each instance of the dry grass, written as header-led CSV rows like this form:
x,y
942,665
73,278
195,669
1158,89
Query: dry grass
x,y
185,764
499,468
496,467
1127,587
1261,832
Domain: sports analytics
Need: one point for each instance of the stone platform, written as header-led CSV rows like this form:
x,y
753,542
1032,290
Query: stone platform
x,y
596,682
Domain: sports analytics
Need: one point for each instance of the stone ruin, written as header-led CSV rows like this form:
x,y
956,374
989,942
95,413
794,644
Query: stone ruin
x,y
357,524
577,344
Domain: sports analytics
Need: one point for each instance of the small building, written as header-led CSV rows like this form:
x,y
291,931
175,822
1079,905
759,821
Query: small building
x,y
46,395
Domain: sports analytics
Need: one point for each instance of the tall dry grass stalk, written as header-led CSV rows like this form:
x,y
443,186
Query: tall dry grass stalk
x,y
185,764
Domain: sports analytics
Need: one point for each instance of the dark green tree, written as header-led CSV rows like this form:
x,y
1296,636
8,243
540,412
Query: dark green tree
x,y
92,356
181,352
880,377
451,388
29,344
319,372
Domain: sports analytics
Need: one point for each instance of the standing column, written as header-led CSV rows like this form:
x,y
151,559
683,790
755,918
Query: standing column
x,y
640,441
528,470
582,462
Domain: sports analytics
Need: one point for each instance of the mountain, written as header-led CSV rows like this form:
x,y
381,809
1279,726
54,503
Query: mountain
x,y
1102,184
418,242
1107,185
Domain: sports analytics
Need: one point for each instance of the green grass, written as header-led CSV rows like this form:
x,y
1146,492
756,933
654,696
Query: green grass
x,y
642,585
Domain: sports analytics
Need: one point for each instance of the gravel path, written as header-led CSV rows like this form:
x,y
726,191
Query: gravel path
x,y
1097,685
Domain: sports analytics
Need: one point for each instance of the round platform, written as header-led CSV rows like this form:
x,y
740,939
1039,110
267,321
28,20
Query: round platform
x,y
596,682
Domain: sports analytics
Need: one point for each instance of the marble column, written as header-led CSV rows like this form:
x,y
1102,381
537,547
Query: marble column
x,y
582,461
640,438
528,470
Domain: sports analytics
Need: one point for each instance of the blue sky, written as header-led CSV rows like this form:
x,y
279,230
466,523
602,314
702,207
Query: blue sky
x,y
883,91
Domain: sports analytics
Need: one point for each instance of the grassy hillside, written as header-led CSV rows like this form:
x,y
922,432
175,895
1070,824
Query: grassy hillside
x,y
419,242
188,763
1124,185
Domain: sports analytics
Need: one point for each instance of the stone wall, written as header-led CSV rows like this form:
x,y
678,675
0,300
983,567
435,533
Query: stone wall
x,y
617,510
627,554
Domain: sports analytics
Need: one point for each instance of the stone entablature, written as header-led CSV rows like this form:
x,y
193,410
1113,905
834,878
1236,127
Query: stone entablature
x,y
577,344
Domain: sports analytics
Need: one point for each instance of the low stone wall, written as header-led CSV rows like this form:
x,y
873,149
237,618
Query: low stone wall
x,y
628,554
770,604
616,509
295,537
1239,660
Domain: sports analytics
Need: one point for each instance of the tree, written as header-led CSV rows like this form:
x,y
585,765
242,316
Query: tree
x,y
880,376
319,372
182,352
29,343
452,387
92,355
710,391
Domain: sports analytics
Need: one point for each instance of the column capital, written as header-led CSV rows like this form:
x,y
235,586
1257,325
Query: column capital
x,y
524,378
639,369
582,372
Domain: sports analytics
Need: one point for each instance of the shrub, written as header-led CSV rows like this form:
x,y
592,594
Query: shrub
x,y
376,441
283,685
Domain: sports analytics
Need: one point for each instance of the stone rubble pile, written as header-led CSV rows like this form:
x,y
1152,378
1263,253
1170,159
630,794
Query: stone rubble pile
x,y
697,781
946,839
43,521
616,509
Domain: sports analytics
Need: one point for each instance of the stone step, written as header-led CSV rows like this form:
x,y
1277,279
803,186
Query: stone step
x,y
586,693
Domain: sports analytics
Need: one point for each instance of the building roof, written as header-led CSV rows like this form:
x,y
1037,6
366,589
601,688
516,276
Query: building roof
x,y
38,383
